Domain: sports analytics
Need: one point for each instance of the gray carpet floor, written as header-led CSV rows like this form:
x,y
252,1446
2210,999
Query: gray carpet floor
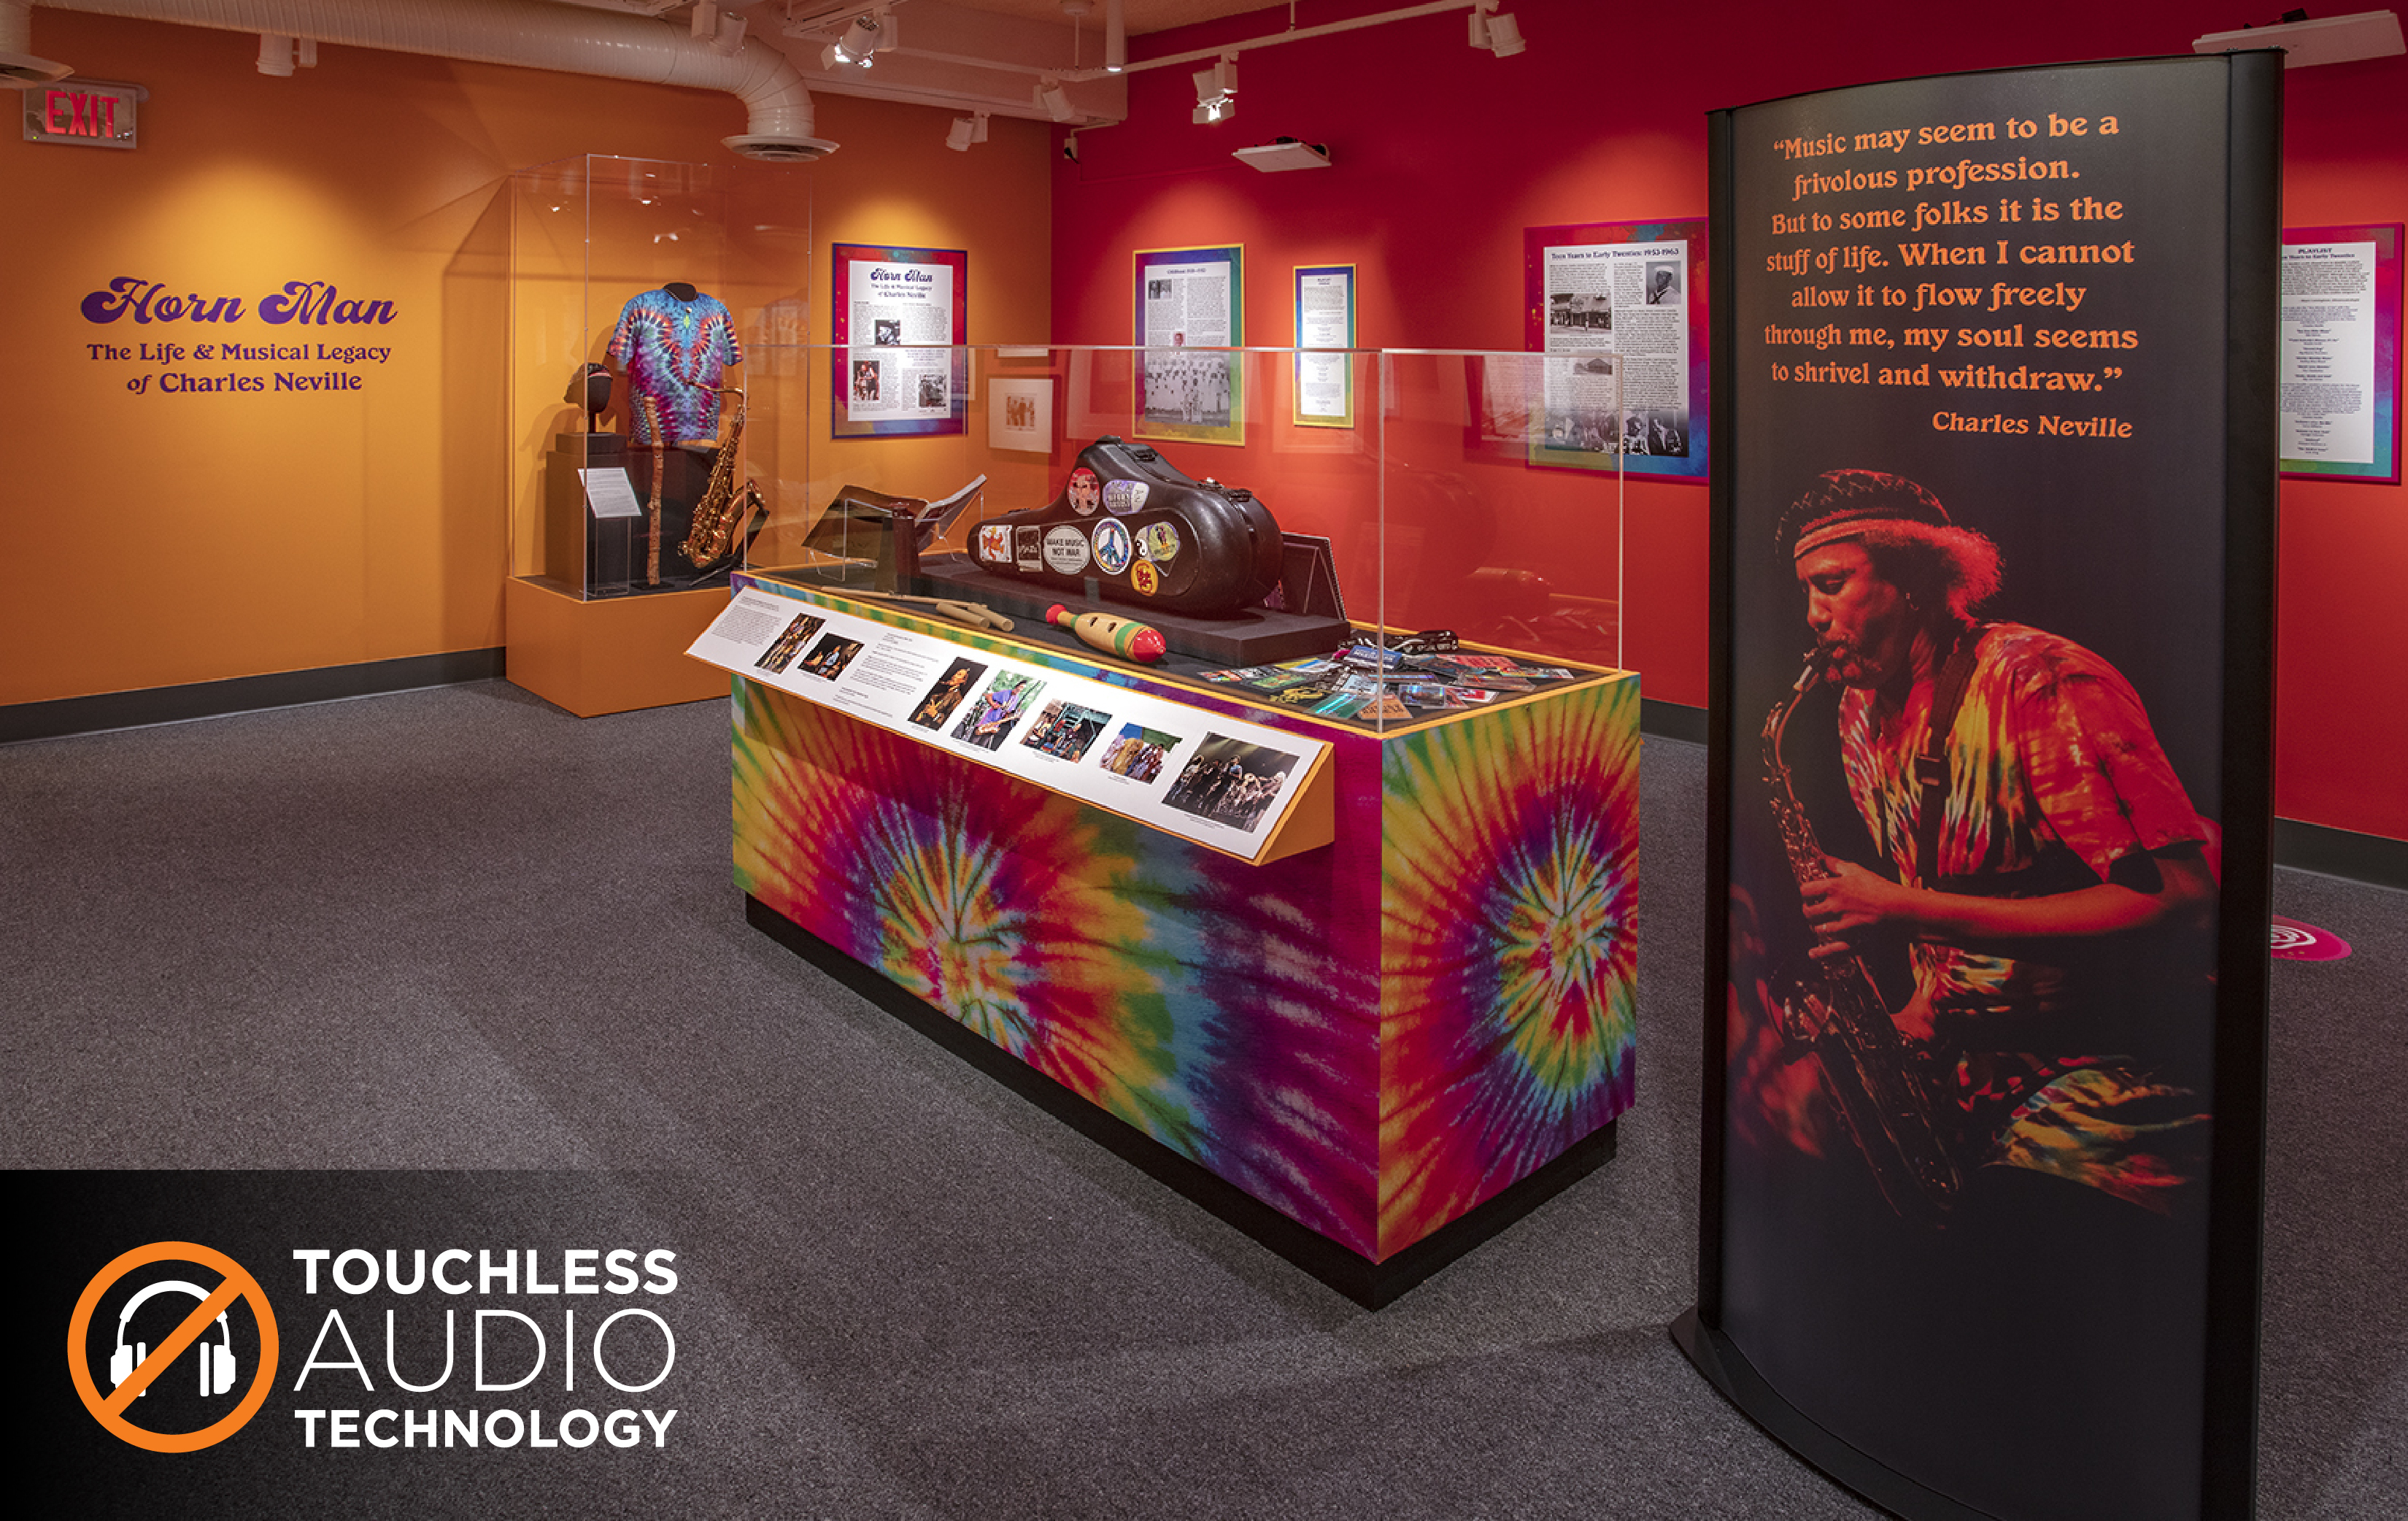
x,y
460,929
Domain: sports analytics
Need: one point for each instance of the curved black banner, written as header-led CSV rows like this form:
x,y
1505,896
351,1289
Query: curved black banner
x,y
1994,503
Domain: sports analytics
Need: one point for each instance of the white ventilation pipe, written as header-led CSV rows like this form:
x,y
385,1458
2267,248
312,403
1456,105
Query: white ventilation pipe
x,y
523,33
19,69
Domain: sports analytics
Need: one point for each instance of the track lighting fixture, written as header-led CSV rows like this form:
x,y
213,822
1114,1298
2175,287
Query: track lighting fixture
x,y
1055,99
967,130
861,43
1216,92
1500,34
1116,38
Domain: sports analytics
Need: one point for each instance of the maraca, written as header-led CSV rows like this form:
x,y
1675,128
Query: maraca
x,y
1115,636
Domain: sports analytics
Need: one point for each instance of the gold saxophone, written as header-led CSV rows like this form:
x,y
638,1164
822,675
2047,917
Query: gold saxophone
x,y
1880,1084
719,517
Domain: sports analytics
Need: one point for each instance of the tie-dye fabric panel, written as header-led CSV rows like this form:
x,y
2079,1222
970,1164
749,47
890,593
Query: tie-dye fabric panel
x,y
1509,948
1228,1011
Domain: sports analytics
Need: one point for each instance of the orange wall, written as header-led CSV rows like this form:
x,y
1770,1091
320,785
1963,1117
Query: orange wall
x,y
1443,155
154,540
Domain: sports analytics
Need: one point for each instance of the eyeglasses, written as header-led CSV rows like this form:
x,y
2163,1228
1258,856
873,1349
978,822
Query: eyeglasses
x,y
1375,655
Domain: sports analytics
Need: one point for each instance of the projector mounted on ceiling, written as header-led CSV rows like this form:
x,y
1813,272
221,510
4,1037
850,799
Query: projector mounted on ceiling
x,y
2335,39
1284,153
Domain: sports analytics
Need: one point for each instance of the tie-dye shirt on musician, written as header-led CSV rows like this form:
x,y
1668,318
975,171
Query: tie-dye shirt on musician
x,y
675,352
2056,781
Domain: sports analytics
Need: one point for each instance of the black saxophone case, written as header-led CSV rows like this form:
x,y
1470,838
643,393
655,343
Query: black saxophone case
x,y
1142,532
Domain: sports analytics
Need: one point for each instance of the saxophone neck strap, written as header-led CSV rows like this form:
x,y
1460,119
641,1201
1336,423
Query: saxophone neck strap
x,y
1931,766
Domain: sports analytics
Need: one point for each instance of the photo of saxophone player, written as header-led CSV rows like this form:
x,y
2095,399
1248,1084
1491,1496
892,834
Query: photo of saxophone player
x,y
2055,887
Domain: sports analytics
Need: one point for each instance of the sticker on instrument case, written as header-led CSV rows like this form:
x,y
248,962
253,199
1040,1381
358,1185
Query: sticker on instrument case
x,y
1158,542
995,544
1086,492
1111,540
1123,498
1143,577
1029,547
1066,551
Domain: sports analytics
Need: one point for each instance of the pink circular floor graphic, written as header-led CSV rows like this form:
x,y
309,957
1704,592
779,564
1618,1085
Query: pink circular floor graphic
x,y
2296,941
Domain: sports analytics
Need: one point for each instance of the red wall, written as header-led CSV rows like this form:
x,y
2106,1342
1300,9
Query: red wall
x,y
1443,155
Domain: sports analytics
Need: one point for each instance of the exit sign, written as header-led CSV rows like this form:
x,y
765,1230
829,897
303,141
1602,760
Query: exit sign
x,y
84,113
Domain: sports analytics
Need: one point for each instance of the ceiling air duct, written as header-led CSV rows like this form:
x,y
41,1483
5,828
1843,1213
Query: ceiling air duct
x,y
523,33
19,69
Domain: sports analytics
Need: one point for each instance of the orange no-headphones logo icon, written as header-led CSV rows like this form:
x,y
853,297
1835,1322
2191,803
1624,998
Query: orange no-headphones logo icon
x,y
133,1369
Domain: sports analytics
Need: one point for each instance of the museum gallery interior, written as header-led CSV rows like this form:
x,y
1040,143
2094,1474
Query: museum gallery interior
x,y
1174,757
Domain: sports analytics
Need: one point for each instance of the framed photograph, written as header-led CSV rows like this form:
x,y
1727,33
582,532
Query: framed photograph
x,y
1191,326
1619,309
2341,353
1020,414
901,323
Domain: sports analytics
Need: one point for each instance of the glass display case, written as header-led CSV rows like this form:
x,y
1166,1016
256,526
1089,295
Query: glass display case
x,y
1361,537
653,305
1236,737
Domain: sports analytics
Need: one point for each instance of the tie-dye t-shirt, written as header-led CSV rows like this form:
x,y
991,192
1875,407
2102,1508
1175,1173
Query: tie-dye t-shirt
x,y
675,352
2054,778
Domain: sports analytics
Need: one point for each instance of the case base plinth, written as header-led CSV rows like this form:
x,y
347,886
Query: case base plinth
x,y
609,557
1257,637
1370,1284
1729,1371
608,656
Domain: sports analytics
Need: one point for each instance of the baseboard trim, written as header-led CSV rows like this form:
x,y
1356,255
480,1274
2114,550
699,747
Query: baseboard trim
x,y
1672,721
63,716
2341,853
1370,1284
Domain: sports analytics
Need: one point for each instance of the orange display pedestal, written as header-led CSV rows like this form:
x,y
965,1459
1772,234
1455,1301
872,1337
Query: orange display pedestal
x,y
608,656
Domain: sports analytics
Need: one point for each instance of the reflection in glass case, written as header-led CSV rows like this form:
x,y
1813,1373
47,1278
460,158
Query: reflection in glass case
x,y
645,298
1416,564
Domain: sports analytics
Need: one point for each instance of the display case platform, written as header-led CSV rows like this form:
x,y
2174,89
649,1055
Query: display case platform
x,y
609,656
1388,1042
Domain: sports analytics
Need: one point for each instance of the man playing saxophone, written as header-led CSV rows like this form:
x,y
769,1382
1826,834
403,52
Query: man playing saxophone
x,y
2051,877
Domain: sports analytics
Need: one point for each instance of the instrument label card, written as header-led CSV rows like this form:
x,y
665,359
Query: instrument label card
x,y
1203,776
611,493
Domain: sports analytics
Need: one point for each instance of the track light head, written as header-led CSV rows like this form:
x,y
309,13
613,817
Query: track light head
x,y
861,43
1499,35
966,131
1055,99
1216,92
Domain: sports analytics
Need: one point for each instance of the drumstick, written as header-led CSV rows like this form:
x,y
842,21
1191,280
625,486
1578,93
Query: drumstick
x,y
977,615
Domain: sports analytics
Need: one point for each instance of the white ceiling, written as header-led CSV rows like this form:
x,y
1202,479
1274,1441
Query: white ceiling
x,y
1139,16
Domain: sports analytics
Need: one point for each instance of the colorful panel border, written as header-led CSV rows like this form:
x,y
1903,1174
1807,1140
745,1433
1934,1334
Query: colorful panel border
x,y
842,258
1535,243
1234,431
2384,469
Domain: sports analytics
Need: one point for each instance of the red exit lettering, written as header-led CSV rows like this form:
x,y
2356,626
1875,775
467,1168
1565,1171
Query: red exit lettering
x,y
77,114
